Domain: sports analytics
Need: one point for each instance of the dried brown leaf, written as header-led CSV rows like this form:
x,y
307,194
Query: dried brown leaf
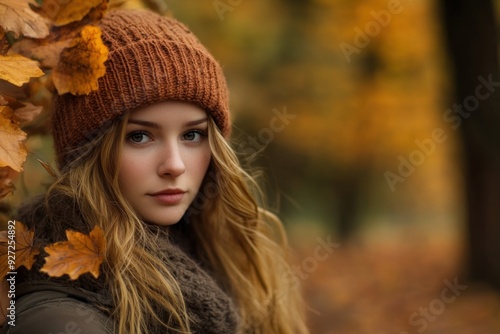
x,y
79,255
7,177
18,17
26,113
48,50
12,149
18,246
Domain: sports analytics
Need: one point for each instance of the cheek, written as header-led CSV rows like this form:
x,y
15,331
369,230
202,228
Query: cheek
x,y
203,163
130,172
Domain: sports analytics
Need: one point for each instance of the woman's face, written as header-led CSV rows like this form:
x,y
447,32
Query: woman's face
x,y
165,155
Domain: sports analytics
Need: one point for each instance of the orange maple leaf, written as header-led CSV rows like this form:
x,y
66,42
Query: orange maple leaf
x,y
17,16
12,150
79,255
81,64
16,249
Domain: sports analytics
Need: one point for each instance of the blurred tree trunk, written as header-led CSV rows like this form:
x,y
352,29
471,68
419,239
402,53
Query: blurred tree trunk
x,y
471,34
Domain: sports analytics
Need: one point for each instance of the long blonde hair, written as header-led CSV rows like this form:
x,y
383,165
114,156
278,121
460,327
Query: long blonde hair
x,y
244,245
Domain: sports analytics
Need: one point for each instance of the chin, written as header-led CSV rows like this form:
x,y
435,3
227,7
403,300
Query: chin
x,y
164,219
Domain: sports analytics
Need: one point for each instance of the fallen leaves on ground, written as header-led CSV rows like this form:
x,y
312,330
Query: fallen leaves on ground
x,y
394,286
80,254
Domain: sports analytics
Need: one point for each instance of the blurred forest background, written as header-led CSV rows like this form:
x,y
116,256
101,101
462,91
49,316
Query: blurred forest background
x,y
375,124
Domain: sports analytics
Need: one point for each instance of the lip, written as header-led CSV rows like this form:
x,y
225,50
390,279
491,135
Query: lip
x,y
169,196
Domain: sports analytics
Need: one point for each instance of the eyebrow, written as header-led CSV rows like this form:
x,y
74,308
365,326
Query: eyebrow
x,y
157,126
145,123
200,121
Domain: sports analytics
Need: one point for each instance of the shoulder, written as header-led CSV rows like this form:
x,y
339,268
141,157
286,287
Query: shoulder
x,y
56,312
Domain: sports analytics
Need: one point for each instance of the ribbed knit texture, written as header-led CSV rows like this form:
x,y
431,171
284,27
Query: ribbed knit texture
x,y
151,59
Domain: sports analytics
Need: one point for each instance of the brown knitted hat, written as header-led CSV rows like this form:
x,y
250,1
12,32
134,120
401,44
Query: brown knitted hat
x,y
151,59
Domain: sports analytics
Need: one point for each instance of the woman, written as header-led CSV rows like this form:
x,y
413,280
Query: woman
x,y
146,158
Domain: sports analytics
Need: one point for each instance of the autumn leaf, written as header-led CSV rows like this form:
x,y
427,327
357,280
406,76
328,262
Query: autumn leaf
x,y
79,255
47,51
18,112
26,113
70,11
82,64
7,176
18,69
4,43
24,250
12,150
18,17
12,91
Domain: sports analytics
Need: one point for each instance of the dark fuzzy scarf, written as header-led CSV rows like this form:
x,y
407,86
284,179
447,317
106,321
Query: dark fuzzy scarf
x,y
210,308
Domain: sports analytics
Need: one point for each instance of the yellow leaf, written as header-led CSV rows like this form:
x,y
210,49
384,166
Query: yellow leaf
x,y
12,149
17,16
77,256
18,69
18,246
62,14
82,64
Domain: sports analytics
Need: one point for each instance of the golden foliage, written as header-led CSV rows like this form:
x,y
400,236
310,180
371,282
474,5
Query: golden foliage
x,y
71,52
12,149
79,255
71,11
18,69
87,54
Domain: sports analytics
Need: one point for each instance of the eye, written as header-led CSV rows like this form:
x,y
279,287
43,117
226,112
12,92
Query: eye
x,y
193,136
138,137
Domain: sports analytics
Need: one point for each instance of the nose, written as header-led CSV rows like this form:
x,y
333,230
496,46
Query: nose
x,y
171,160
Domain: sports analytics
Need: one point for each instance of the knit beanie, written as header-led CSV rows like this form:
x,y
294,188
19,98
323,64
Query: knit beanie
x,y
152,58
